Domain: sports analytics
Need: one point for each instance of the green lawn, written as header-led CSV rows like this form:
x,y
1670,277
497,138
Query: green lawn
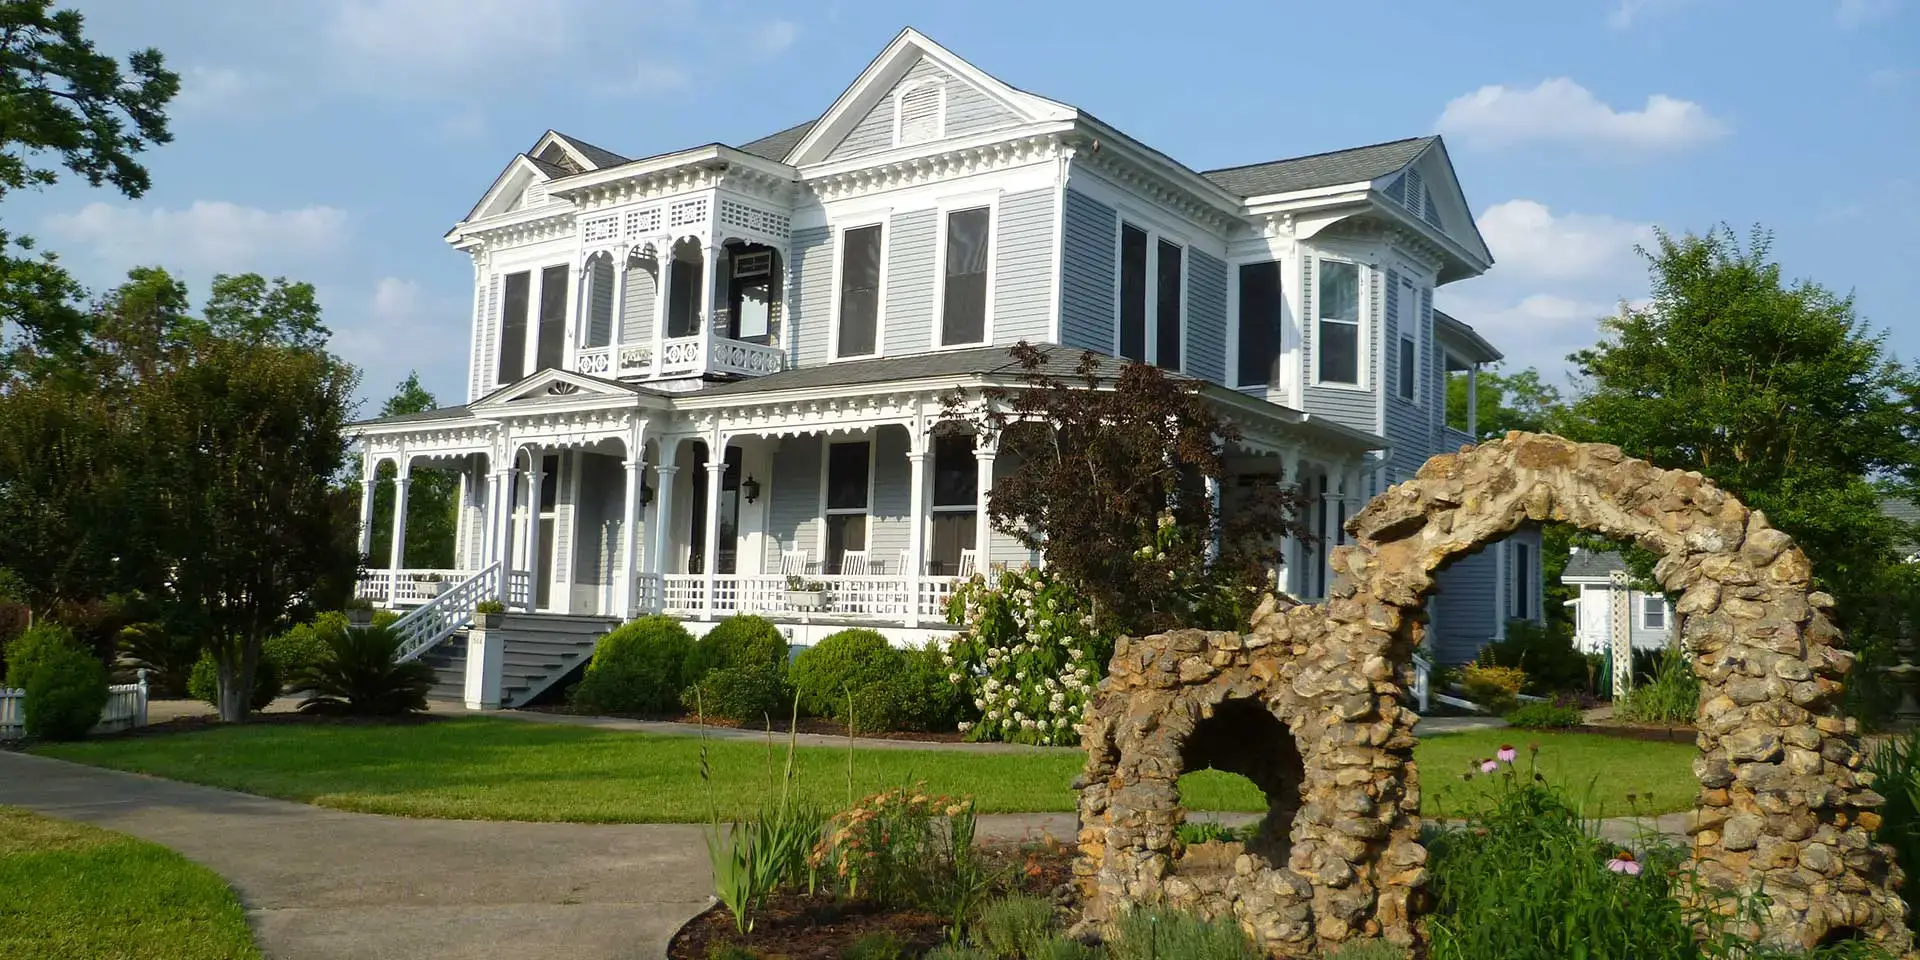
x,y
496,769
73,892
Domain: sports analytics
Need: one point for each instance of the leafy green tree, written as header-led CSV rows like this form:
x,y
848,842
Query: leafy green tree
x,y
64,481
248,307
432,495
1516,401
64,104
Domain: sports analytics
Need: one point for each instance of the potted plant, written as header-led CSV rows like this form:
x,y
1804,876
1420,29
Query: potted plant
x,y
805,594
490,613
435,586
359,612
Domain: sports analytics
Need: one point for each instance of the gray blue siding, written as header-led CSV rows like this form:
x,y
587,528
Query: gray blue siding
x,y
1353,407
1023,267
793,503
909,283
1087,273
486,330
812,298
887,513
1206,316
1463,606
969,110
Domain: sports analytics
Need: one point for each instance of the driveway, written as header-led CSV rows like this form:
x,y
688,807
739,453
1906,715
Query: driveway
x,y
329,885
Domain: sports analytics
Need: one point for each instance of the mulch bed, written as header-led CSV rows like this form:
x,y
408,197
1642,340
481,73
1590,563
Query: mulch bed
x,y
822,926
817,725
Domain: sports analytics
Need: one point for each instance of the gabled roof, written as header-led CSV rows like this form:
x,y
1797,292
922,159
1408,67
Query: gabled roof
x,y
1588,565
1352,165
1466,335
597,156
775,146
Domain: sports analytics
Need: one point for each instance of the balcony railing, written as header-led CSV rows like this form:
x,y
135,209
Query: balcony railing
x,y
680,357
881,599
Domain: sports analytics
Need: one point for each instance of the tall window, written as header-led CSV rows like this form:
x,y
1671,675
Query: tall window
x,y
1653,612
553,318
847,469
963,311
1520,582
1261,314
859,291
1337,300
683,298
1167,319
956,488
752,295
1408,381
513,326
1133,293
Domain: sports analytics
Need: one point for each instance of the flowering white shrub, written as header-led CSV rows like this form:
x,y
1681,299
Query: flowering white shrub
x,y
1030,656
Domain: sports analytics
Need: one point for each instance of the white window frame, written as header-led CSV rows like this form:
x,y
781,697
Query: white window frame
x,y
827,442
1654,598
1362,341
1150,348
940,109
945,208
875,219
1410,326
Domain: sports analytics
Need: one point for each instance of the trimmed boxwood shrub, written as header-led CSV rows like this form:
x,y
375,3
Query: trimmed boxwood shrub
x,y
306,644
66,690
857,662
39,644
1544,716
641,667
204,683
926,698
748,693
742,640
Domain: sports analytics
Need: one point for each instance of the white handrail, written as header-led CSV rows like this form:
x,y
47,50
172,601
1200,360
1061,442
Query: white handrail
x,y
439,618
1422,681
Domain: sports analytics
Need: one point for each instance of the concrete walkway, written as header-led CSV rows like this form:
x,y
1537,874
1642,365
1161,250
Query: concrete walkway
x,y
329,885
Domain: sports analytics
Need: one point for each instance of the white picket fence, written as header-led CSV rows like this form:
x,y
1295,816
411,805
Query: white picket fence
x,y
126,708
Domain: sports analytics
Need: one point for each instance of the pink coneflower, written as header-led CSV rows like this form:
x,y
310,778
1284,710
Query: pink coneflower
x,y
1623,862
1507,753
1488,766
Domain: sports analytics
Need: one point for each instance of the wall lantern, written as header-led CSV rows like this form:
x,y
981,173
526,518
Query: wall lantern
x,y
751,488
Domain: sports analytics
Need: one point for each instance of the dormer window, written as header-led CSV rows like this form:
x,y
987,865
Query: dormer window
x,y
919,113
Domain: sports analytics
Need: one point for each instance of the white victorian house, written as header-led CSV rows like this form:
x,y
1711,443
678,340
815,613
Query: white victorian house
x,y
696,373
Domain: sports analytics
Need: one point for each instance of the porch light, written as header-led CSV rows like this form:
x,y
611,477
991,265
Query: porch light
x,y
751,488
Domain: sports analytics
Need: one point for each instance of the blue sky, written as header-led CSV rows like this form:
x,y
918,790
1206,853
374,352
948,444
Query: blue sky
x,y
336,141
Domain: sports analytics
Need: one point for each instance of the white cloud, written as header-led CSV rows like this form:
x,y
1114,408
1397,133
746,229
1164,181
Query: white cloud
x,y
216,90
381,333
774,36
1560,110
209,235
1528,240
1850,14
415,42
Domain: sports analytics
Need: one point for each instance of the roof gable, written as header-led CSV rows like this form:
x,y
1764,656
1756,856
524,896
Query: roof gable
x,y
520,185
549,388
988,103
1430,181
572,154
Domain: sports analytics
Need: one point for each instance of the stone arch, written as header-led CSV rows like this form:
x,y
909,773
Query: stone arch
x,y
1781,806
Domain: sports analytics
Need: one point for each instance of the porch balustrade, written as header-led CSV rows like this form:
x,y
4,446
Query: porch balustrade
x,y
411,588
872,598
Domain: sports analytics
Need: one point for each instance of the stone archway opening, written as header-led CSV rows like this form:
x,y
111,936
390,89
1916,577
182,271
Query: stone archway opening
x,y
1244,738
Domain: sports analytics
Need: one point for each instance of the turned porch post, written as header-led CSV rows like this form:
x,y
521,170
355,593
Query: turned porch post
x,y
917,532
985,448
662,305
502,547
629,520
710,557
1290,548
709,297
369,478
402,468
535,481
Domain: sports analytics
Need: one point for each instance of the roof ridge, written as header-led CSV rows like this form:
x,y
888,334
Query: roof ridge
x,y
1323,153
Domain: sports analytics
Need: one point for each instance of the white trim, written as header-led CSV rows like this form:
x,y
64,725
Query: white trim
x,y
1665,615
1059,252
883,220
900,92
990,201
1361,342
870,437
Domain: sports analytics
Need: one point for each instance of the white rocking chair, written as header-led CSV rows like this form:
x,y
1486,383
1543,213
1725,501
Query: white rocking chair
x,y
854,563
969,563
793,563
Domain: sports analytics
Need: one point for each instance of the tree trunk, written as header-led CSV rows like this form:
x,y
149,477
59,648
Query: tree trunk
x,y
236,686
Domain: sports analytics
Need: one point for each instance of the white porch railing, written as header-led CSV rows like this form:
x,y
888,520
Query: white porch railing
x,y
397,588
679,356
747,359
519,589
437,619
597,361
126,708
867,598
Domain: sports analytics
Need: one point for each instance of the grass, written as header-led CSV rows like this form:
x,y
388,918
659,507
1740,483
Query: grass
x,y
497,769
74,892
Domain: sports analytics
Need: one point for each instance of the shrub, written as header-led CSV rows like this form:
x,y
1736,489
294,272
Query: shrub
x,y
743,693
741,640
1544,716
1369,950
1013,927
305,644
1671,697
638,668
1031,655
929,693
66,688
1061,948
1547,656
731,951
485,607
1495,688
1204,831
168,658
856,663
42,642
204,683
1895,766
875,946
1157,933
360,674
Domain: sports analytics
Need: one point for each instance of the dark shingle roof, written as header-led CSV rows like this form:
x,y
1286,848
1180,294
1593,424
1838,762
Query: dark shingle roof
x,y
1586,563
776,146
1463,331
1319,170
438,413
601,157
552,170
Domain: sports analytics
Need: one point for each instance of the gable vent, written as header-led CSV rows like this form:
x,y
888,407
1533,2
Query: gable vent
x,y
917,114
1416,192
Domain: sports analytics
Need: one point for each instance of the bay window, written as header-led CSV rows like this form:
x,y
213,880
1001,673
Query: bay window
x,y
551,350
514,296
1337,301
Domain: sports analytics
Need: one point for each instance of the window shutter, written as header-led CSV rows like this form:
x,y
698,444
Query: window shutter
x,y
918,114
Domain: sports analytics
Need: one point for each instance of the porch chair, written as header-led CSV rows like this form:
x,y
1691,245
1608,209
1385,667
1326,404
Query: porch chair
x,y
853,563
969,563
906,563
793,563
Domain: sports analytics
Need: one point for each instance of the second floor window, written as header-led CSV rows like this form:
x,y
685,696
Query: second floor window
x,y
859,292
1337,300
1133,293
517,287
553,319
1408,381
1166,339
963,311
1653,612
1520,582
1261,313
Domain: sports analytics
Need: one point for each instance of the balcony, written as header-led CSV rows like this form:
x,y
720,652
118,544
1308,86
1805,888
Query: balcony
x,y
681,357
853,599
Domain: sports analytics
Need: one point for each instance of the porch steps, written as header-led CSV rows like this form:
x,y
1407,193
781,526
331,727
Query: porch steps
x,y
539,650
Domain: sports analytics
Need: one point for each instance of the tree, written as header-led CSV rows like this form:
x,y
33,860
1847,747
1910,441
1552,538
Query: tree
x,y
1517,401
1110,480
63,486
247,307
249,435
432,515
63,104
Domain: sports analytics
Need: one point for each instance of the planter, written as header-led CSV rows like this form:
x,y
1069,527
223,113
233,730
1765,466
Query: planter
x,y
359,618
434,588
806,599
491,621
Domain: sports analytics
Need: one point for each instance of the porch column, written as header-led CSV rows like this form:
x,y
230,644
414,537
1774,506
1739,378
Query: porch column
x,y
984,450
662,300
398,559
535,480
487,522
369,478
460,558
616,325
662,513
917,532
629,519
1290,549
709,295
501,549
1473,401
710,559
